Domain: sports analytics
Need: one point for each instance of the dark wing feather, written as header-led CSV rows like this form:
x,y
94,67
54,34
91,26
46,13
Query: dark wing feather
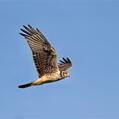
x,y
44,54
64,64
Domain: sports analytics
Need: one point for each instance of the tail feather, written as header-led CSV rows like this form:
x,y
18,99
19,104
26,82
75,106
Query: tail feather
x,y
25,85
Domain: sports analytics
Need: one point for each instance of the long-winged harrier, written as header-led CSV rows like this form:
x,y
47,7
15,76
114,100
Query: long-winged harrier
x,y
45,58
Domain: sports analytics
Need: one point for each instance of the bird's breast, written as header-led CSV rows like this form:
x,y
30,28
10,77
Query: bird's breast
x,y
53,76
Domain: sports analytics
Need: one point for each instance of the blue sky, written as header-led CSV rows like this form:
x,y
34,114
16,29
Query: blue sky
x,y
87,31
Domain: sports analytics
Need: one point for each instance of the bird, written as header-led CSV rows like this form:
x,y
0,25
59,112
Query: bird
x,y
45,58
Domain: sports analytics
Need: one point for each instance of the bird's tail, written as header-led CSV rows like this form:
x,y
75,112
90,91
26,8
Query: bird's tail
x,y
25,85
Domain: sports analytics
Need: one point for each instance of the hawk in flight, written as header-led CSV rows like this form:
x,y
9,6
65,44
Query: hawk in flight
x,y
45,58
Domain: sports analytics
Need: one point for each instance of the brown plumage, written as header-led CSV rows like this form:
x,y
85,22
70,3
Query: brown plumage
x,y
45,58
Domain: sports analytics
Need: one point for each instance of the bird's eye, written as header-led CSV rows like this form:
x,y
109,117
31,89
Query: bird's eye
x,y
65,73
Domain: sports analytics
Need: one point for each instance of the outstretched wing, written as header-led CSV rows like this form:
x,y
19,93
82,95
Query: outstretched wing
x,y
44,54
64,64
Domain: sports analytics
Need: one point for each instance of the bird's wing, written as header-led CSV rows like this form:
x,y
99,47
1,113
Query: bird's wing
x,y
44,54
64,64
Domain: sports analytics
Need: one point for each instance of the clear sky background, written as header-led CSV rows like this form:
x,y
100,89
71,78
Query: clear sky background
x,y
86,31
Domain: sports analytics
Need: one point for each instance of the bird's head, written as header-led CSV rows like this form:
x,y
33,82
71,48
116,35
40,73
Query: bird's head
x,y
64,74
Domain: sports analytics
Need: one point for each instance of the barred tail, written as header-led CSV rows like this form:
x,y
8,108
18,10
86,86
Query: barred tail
x,y
25,85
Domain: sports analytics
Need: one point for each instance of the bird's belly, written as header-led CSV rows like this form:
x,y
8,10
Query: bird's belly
x,y
48,79
53,77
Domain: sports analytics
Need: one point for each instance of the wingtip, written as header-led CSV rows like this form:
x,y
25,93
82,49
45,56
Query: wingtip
x,y
22,34
68,60
65,60
29,26
25,27
62,61
25,85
